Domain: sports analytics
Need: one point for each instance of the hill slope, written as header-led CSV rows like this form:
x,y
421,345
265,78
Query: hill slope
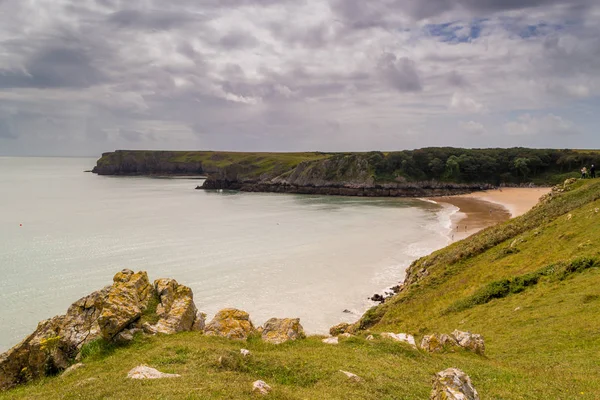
x,y
530,286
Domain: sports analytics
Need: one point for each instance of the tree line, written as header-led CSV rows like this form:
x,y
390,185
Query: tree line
x,y
495,166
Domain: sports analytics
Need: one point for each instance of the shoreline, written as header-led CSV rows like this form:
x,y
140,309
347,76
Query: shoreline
x,y
479,210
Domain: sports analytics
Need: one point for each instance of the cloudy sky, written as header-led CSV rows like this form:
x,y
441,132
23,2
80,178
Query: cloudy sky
x,y
79,77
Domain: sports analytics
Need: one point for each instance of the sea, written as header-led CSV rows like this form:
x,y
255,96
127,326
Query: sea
x,y
65,232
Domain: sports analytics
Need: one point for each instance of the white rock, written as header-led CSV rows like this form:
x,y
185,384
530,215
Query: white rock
x,y
331,340
370,337
261,387
453,384
72,368
351,376
145,372
400,337
245,352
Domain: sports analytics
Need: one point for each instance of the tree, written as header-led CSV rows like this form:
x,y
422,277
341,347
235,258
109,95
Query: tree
x,y
521,166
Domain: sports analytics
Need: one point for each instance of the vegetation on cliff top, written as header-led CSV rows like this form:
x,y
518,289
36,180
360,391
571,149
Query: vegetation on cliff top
x,y
444,164
530,286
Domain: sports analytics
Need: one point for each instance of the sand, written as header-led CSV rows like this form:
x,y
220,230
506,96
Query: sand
x,y
482,209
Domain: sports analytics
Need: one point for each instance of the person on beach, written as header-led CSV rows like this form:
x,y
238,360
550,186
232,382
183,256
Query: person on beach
x,y
583,173
593,171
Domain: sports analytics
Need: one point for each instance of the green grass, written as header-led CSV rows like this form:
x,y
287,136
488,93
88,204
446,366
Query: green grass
x,y
530,286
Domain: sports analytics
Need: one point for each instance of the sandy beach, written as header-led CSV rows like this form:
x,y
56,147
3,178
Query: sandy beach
x,y
482,209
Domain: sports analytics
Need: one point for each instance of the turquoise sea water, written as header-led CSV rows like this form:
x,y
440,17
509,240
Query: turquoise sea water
x,y
65,233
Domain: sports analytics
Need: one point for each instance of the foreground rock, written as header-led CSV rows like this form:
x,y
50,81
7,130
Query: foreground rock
x,y
470,341
453,384
436,343
339,329
112,314
261,387
145,372
351,376
176,310
331,340
279,331
56,342
230,323
400,337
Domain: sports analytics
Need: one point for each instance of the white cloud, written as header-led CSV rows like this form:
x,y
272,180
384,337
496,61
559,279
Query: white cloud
x,y
464,104
546,125
473,128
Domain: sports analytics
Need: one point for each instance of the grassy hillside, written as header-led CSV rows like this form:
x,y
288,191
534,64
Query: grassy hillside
x,y
530,286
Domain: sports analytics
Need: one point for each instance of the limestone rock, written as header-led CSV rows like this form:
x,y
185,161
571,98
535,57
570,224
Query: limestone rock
x,y
331,340
199,322
261,387
245,352
127,298
338,329
437,343
72,368
57,341
278,331
400,337
453,384
145,372
176,310
230,323
370,337
470,341
351,376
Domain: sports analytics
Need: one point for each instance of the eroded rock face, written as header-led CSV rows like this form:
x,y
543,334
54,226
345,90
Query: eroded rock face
x,y
230,323
470,341
438,342
177,311
278,331
453,384
127,298
339,329
55,342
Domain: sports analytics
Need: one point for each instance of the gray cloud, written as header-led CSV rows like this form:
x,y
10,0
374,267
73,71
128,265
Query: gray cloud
x,y
401,74
286,75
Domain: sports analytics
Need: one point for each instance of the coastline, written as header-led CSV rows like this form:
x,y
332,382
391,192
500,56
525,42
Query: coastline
x,y
479,210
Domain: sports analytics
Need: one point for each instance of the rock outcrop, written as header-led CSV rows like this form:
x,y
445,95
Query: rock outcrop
x,y
331,340
470,341
145,372
112,314
400,337
176,310
453,384
230,323
261,387
436,343
279,331
339,329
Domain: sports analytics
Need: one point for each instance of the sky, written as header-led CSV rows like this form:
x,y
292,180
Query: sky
x,y
82,77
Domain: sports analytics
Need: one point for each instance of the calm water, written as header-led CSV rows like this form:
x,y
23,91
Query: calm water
x,y
272,255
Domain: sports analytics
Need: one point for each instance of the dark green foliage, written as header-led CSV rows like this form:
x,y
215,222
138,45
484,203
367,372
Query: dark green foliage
x,y
505,287
495,166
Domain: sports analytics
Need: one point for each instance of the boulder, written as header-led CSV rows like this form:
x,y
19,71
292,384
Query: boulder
x,y
245,352
127,298
56,341
230,323
400,337
331,340
437,342
145,372
278,331
351,376
176,310
470,341
338,329
453,384
261,387
199,322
